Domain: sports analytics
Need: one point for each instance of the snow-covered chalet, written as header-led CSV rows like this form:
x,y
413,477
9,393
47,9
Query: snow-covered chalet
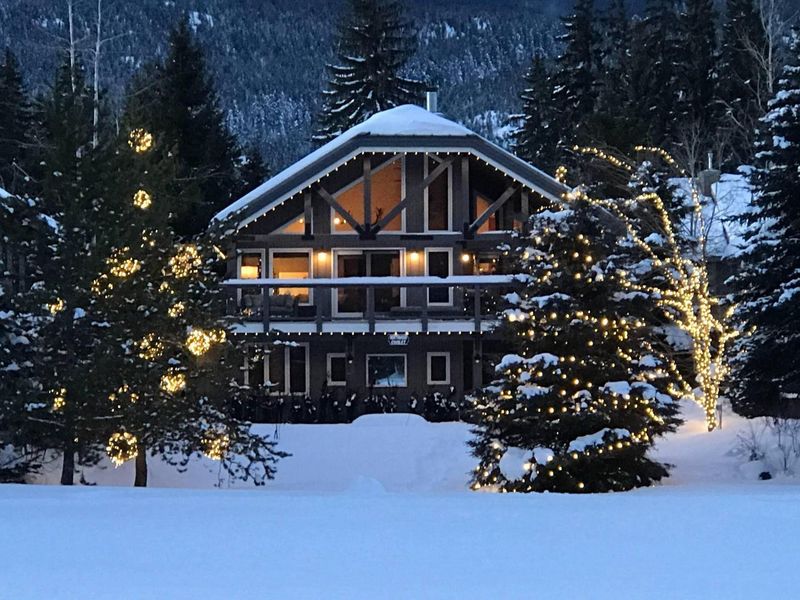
x,y
377,260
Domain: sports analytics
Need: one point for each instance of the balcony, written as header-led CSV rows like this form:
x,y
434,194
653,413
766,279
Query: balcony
x,y
365,305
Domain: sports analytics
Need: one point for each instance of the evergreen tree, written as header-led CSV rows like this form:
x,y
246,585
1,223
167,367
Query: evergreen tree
x,y
574,79
15,127
171,384
654,74
742,89
615,121
578,405
374,45
27,237
767,376
535,139
697,72
70,358
181,107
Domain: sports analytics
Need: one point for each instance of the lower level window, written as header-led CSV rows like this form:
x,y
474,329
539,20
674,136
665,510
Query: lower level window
x,y
386,370
438,368
337,369
288,369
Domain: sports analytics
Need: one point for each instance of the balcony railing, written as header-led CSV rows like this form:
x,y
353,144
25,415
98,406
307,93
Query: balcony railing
x,y
472,300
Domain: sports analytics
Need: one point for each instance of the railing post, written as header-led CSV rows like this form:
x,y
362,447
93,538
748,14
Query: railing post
x,y
476,299
371,308
425,310
318,316
265,308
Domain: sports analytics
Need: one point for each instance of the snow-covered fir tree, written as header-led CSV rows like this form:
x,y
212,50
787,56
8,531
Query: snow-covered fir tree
x,y
537,134
580,402
767,372
574,74
374,44
654,75
16,127
27,237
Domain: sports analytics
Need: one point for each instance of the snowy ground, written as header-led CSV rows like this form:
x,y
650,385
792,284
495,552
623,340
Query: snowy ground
x,y
378,510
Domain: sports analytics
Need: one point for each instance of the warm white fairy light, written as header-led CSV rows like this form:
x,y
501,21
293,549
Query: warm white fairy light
x,y
199,341
121,447
56,306
176,310
150,347
186,261
142,199
173,382
59,399
140,140
216,445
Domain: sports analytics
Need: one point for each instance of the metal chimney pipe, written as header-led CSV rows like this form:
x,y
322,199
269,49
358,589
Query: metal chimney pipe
x,y
432,101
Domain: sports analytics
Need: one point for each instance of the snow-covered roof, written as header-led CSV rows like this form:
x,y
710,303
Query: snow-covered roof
x,y
408,122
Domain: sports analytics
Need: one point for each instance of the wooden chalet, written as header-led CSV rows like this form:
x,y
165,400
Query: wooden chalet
x,y
376,261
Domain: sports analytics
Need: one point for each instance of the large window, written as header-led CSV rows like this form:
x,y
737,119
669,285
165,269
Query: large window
x,y
369,263
437,200
438,368
386,370
387,191
296,225
251,266
288,369
292,265
337,369
438,265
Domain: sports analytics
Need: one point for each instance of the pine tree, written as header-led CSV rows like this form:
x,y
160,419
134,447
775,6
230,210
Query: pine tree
x,y
374,45
535,139
171,384
16,121
181,107
575,77
578,405
654,74
26,242
70,359
697,72
742,89
615,121
767,376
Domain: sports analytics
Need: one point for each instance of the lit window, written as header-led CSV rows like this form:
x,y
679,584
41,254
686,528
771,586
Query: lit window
x,y
296,225
292,265
387,191
250,266
386,370
438,368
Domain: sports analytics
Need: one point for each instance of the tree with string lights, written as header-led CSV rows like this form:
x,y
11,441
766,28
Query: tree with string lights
x,y
172,386
579,404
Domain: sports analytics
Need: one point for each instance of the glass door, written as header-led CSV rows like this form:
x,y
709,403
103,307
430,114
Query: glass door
x,y
385,264
351,300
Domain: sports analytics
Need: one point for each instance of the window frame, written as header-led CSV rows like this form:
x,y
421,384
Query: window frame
x,y
336,252
378,355
240,252
328,379
448,360
311,274
449,171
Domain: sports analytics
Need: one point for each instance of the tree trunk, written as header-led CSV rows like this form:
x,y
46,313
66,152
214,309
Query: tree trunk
x,y
68,465
141,467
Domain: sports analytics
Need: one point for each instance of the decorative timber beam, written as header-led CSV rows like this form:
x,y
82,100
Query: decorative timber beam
x,y
495,206
420,187
331,201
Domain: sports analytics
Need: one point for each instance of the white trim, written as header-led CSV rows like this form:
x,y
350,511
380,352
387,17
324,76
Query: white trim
x,y
328,379
449,171
379,354
310,253
449,251
360,179
447,368
336,252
